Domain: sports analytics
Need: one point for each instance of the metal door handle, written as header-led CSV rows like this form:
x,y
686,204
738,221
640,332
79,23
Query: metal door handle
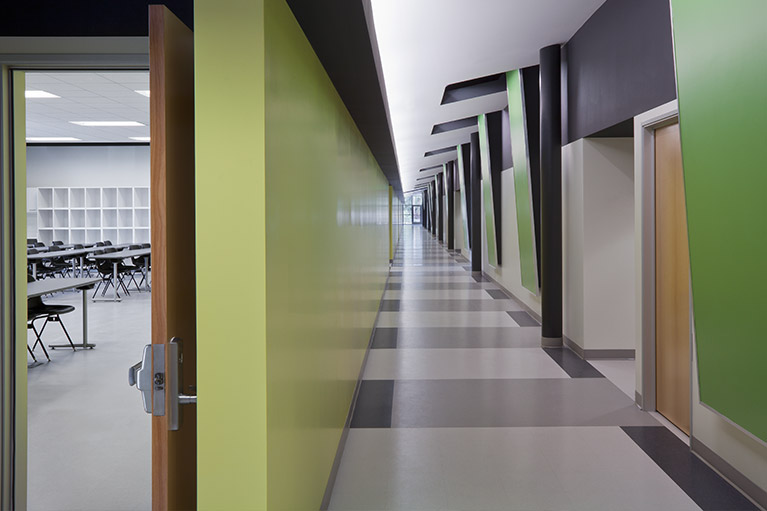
x,y
149,375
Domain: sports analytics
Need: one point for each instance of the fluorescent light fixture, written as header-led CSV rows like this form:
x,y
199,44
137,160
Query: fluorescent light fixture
x,y
143,92
52,139
107,123
140,139
39,94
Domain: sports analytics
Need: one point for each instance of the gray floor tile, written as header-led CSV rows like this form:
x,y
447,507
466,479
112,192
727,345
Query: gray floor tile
x,y
522,318
471,363
484,319
468,337
575,366
507,403
510,469
456,305
384,338
498,294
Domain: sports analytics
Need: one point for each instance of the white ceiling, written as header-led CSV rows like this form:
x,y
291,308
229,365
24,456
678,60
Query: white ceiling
x,y
425,45
88,96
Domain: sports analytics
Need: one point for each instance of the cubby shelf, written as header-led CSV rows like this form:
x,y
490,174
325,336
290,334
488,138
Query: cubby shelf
x,y
87,215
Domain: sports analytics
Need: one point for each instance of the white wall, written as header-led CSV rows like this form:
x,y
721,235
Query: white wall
x,y
509,273
83,166
598,243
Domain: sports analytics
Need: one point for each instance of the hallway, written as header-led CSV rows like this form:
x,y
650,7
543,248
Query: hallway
x,y
460,409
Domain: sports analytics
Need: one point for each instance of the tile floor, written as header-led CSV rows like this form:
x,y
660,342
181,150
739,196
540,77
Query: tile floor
x,y
460,409
89,438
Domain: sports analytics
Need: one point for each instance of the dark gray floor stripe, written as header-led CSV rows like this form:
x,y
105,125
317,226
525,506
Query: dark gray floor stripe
x,y
433,286
573,365
704,486
374,404
498,294
457,337
522,318
491,403
390,305
384,338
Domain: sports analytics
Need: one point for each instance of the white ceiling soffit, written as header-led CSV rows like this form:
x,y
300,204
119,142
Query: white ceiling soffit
x,y
88,96
425,45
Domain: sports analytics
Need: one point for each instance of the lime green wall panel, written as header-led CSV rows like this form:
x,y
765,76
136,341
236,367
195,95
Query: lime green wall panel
x,y
327,247
721,50
283,170
522,193
464,206
487,192
231,208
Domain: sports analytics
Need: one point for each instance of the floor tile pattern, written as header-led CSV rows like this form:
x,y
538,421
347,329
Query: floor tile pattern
x,y
461,409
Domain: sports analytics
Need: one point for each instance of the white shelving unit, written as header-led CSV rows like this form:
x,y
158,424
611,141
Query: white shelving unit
x,y
88,215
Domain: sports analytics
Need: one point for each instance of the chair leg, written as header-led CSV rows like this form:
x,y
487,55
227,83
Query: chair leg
x,y
39,340
57,319
34,359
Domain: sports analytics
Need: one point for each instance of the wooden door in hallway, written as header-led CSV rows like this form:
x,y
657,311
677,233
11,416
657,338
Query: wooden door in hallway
x,y
672,282
171,84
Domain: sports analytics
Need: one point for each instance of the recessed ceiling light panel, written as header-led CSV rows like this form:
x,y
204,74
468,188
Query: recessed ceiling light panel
x,y
140,139
143,92
108,123
39,94
52,139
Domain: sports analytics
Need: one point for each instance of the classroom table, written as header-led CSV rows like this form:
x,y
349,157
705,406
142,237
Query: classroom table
x,y
48,286
116,257
73,254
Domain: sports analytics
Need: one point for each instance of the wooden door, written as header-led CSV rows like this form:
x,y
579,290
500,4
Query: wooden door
x,y
171,79
672,282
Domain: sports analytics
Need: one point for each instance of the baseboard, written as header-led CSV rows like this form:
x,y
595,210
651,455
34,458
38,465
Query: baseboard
x,y
639,400
746,486
347,424
602,354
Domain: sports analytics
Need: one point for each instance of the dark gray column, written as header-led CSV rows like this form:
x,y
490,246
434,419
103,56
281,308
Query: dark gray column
x,y
465,153
476,205
450,176
433,208
440,207
551,197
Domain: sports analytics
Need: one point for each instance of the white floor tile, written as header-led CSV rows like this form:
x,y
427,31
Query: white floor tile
x,y
445,319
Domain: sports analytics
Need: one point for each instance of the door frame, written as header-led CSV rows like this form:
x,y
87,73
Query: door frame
x,y
645,125
76,54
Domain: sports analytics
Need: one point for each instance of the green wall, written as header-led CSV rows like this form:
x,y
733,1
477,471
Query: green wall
x,y
528,264
327,250
487,192
282,172
721,50
231,209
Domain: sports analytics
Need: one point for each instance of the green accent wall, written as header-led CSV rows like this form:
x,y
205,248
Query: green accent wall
x,y
14,286
230,173
487,192
283,170
525,232
720,50
327,247
464,205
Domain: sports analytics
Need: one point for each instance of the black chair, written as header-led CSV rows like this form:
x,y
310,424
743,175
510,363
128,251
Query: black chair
x,y
56,243
106,273
139,261
39,244
59,265
107,243
39,310
99,244
44,268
